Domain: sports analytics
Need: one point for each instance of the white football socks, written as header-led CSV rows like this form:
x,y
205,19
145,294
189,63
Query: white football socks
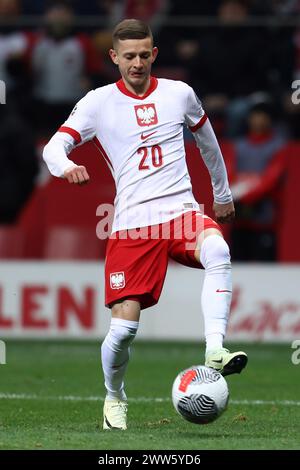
x,y
115,352
217,289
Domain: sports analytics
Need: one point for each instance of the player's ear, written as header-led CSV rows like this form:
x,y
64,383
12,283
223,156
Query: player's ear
x,y
114,56
154,53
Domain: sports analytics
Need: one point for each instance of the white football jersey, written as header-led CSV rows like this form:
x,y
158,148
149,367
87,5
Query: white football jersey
x,y
141,140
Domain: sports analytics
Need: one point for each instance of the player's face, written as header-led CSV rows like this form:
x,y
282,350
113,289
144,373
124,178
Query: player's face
x,y
134,58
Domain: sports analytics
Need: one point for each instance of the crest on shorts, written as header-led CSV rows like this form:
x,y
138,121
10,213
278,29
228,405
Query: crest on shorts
x,y
146,114
117,280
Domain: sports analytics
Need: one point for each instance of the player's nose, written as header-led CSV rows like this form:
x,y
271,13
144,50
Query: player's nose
x,y
138,62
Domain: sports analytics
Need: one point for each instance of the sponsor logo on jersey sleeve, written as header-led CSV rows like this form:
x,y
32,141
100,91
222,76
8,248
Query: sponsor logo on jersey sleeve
x,y
117,280
146,114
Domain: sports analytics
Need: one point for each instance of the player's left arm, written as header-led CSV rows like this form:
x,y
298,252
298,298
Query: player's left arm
x,y
212,156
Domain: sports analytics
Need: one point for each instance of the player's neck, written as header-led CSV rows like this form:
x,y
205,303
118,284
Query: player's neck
x,y
138,90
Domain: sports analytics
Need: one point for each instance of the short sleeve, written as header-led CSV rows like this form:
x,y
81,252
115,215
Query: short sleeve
x,y
195,116
81,124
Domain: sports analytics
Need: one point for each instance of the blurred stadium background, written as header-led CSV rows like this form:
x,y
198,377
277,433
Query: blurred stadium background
x,y
243,59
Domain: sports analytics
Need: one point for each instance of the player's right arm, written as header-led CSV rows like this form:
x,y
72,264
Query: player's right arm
x,y
79,128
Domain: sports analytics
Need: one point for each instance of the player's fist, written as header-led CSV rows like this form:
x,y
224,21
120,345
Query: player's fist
x,y
224,212
77,174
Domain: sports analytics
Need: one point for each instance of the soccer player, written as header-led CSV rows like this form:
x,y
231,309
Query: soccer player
x,y
137,125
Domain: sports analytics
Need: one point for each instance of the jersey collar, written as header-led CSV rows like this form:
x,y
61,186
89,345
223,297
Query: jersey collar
x,y
122,87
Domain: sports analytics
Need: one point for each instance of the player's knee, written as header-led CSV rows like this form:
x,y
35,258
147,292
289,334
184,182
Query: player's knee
x,y
122,333
214,252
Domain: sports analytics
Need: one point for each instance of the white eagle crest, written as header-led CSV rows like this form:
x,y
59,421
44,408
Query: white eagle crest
x,y
117,279
146,115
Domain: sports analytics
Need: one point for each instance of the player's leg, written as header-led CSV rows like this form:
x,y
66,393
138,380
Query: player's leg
x,y
213,253
135,270
115,351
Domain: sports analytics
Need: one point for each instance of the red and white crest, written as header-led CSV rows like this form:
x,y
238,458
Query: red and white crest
x,y
146,114
117,280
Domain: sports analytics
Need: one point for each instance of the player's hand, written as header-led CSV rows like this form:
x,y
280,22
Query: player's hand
x,y
224,212
77,174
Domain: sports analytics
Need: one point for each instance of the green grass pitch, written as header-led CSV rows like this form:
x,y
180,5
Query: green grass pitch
x,y
51,398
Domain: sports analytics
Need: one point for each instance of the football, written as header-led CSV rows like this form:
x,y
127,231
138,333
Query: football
x,y
200,394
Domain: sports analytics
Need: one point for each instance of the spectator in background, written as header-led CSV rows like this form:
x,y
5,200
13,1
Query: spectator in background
x,y
260,164
231,66
221,62
62,62
13,47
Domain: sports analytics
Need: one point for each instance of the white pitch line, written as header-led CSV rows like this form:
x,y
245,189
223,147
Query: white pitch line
x,y
24,396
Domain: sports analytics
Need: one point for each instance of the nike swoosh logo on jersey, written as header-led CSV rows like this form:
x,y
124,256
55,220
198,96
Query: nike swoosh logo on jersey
x,y
144,137
220,290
